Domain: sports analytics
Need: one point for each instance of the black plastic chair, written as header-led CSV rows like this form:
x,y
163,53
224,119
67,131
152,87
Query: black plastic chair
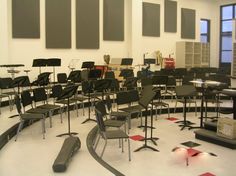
x,y
111,134
24,117
109,75
62,78
27,100
41,96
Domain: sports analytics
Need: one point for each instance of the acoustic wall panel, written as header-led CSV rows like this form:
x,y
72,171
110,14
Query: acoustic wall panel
x,y
188,22
87,24
113,20
151,19
58,23
170,24
25,19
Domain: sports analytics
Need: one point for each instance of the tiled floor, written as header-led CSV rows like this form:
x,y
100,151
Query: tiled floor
x,y
31,155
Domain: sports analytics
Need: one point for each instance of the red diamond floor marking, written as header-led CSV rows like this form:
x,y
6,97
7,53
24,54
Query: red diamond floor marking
x,y
207,174
172,119
136,137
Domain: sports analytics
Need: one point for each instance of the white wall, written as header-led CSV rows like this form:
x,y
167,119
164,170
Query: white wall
x,y
3,35
25,50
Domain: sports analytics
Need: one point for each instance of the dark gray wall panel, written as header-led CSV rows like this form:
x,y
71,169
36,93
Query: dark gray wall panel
x,y
170,16
58,23
113,20
87,24
188,23
25,19
151,19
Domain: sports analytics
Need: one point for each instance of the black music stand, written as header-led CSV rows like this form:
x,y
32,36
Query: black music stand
x,y
66,94
87,88
126,73
185,91
147,97
88,65
54,62
126,61
39,63
148,61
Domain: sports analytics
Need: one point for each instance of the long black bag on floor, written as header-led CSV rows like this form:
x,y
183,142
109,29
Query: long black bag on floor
x,y
69,147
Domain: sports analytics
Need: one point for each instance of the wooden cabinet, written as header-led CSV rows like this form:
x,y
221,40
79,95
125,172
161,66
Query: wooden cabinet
x,y
192,54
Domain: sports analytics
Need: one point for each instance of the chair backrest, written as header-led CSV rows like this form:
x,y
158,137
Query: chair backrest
x,y
109,75
186,80
115,86
39,94
21,81
56,91
102,85
43,79
87,87
130,83
160,80
180,72
26,98
122,98
61,78
100,122
146,82
133,95
100,106
75,76
185,90
171,81
6,83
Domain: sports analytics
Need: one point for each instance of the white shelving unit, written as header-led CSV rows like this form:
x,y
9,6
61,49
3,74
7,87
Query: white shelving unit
x,y
192,54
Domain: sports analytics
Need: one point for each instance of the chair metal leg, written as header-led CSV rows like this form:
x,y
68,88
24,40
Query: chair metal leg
x,y
129,150
104,148
168,109
61,115
19,129
43,128
96,144
122,145
50,118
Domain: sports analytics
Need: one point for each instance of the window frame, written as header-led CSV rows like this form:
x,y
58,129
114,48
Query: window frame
x,y
223,34
208,34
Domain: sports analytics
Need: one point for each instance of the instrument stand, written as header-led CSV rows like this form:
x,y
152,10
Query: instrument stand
x,y
66,94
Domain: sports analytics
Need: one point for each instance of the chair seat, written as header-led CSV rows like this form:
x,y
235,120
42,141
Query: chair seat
x,y
119,114
160,104
71,101
49,106
38,111
115,134
81,99
113,123
31,116
132,109
3,96
187,101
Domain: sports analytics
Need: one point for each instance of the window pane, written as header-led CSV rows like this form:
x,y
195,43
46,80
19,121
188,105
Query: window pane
x,y
227,26
226,42
203,38
226,56
235,11
227,12
203,26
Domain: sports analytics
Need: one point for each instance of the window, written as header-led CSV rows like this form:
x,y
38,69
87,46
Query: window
x,y
228,12
205,30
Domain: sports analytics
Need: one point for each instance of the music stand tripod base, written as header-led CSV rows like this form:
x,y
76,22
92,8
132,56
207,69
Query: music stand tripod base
x,y
69,134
